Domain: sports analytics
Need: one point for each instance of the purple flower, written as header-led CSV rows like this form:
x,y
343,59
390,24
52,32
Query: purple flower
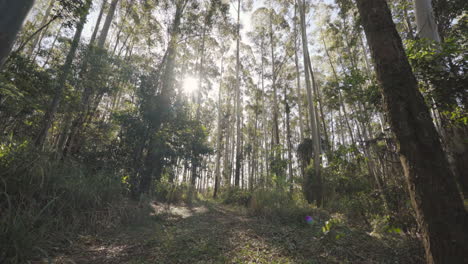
x,y
309,219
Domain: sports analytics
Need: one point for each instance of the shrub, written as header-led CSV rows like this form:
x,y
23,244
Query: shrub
x,y
236,196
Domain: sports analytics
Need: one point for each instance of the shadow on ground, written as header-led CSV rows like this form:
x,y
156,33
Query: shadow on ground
x,y
213,233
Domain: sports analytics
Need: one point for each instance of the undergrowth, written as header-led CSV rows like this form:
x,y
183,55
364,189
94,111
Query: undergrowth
x,y
275,205
44,203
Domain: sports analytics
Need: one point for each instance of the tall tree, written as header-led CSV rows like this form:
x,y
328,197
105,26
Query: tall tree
x,y
431,184
425,20
219,136
314,126
62,78
107,23
43,23
238,102
12,15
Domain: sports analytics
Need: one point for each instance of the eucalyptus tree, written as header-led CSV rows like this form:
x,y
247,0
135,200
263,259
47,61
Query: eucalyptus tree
x,y
425,20
165,86
12,15
62,78
309,76
44,23
431,184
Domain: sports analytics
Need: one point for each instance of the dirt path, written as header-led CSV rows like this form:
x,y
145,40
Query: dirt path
x,y
212,233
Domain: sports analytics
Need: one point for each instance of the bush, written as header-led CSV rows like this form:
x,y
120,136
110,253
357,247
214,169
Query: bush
x,y
236,196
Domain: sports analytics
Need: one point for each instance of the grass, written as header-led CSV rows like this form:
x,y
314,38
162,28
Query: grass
x,y
226,234
45,204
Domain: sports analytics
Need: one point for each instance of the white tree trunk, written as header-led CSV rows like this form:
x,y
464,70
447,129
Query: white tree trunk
x,y
425,20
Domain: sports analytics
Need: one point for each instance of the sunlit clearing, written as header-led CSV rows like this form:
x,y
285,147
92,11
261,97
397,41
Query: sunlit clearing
x,y
190,85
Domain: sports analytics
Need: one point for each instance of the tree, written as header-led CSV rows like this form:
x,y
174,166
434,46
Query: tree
x,y
12,15
62,78
431,184
238,102
309,76
425,20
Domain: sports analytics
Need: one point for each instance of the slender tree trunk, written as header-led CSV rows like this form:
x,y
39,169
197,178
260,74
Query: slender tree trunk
x,y
276,135
66,69
312,114
43,22
433,191
12,15
239,103
288,140
298,75
227,144
340,96
200,74
107,24
98,23
264,115
51,49
219,132
89,90
408,21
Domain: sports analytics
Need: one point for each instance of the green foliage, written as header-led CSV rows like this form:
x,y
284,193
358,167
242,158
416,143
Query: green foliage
x,y
333,222
444,66
24,92
45,201
236,196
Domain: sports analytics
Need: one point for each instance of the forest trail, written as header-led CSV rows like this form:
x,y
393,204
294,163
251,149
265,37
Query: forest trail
x,y
214,233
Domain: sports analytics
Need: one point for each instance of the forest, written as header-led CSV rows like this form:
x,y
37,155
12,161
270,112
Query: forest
x,y
234,131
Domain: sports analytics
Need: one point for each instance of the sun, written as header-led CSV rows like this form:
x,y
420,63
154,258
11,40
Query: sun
x,y
190,85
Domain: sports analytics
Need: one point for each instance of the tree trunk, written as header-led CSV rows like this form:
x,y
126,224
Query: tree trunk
x,y
425,20
106,27
62,78
43,22
276,135
434,195
98,23
219,136
51,49
238,103
288,140
167,94
298,76
312,114
12,15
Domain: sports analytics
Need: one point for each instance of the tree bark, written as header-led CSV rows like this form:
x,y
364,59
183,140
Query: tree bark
x,y
312,114
12,15
219,136
106,27
238,102
298,76
276,135
434,195
425,20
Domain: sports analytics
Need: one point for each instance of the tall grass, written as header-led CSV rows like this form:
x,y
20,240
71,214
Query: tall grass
x,y
43,203
276,205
